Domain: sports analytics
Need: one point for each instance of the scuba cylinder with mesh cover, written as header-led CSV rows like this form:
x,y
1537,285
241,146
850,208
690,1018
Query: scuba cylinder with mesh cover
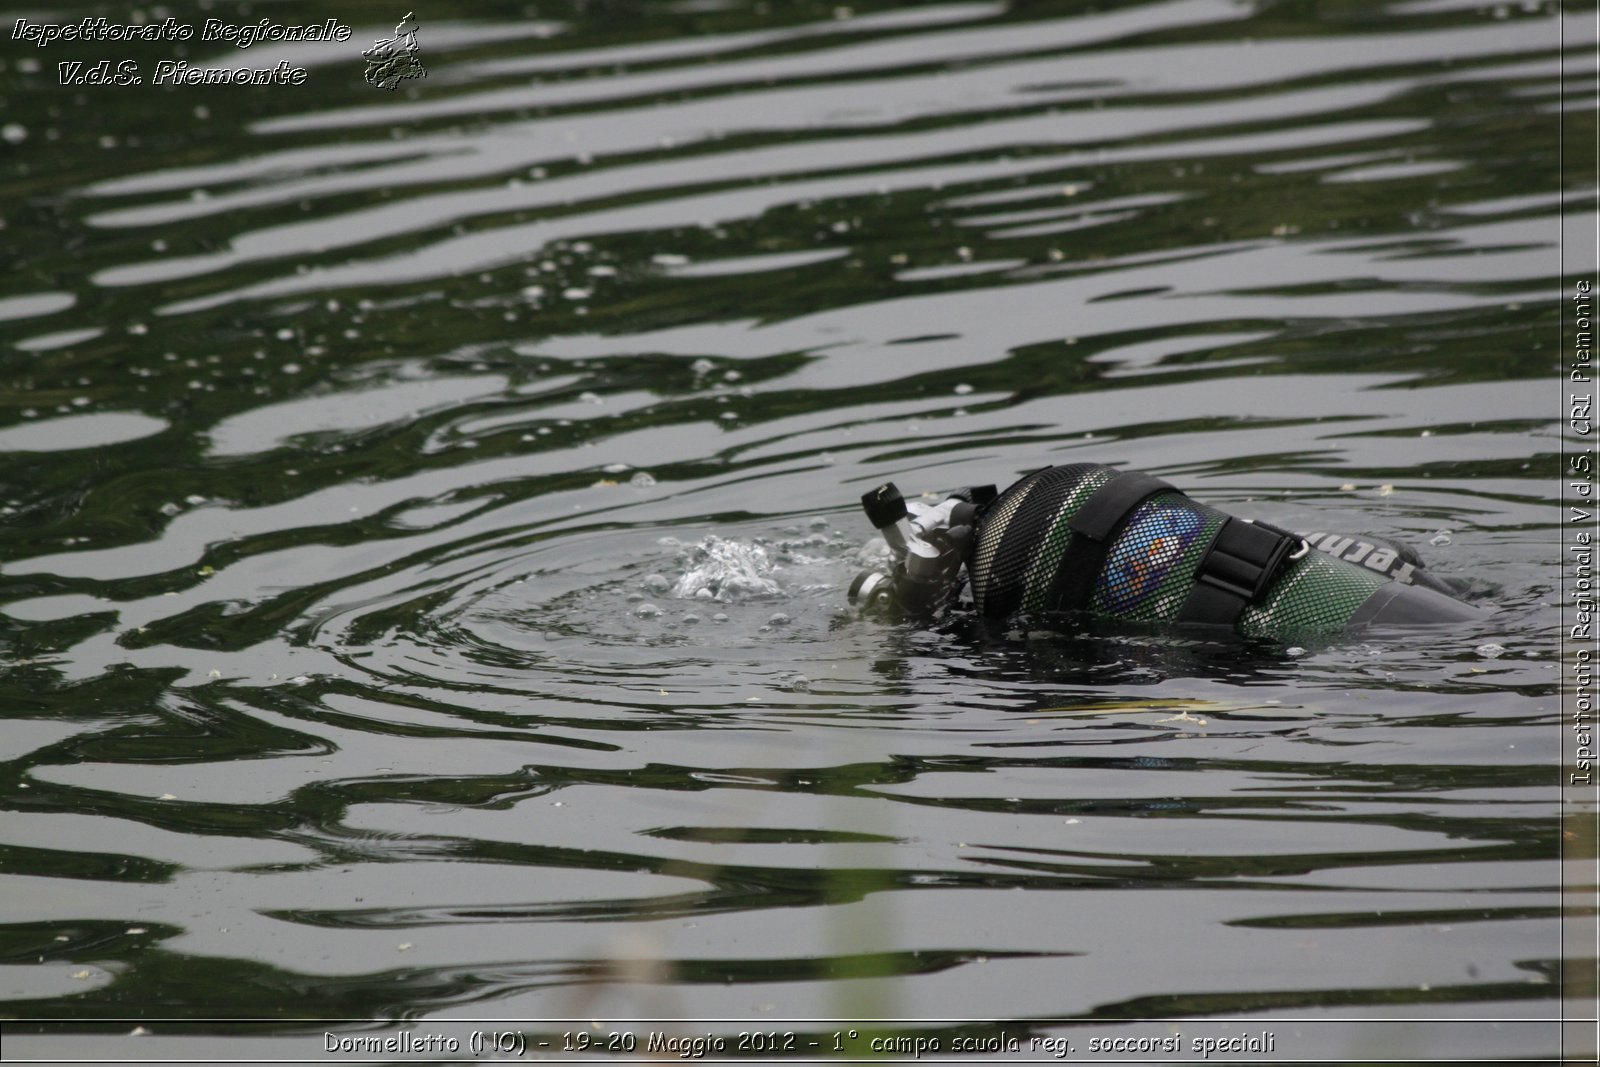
x,y
1129,546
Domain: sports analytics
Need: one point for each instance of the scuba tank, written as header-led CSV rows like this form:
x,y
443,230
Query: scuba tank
x,y
1129,546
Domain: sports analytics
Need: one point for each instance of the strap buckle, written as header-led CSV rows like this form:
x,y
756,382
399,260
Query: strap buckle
x,y
1242,561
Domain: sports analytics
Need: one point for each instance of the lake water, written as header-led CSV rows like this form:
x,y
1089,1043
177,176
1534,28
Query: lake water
x,y
360,448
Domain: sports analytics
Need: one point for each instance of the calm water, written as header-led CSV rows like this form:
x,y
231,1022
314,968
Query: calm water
x,y
361,451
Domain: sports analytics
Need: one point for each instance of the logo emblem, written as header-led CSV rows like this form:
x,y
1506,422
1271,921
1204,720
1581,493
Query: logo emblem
x,y
393,61
1144,555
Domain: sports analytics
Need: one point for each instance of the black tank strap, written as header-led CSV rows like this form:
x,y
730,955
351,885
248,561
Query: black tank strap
x,y
1096,524
1241,561
1103,513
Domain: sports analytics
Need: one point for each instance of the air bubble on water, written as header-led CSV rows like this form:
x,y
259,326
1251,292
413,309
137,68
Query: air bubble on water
x,y
799,683
875,551
642,480
170,509
591,398
963,389
13,133
691,619
656,583
647,610
1490,650
702,367
728,570
720,616
1440,538
778,619
1294,651
703,594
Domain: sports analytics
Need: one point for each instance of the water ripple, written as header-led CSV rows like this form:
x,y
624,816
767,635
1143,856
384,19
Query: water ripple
x,y
422,587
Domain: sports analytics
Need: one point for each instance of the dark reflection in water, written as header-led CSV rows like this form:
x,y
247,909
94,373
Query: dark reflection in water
x,y
428,515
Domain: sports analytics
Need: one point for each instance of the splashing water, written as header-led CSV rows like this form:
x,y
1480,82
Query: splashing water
x,y
727,570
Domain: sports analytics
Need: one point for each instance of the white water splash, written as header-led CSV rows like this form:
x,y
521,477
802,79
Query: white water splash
x,y
727,570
